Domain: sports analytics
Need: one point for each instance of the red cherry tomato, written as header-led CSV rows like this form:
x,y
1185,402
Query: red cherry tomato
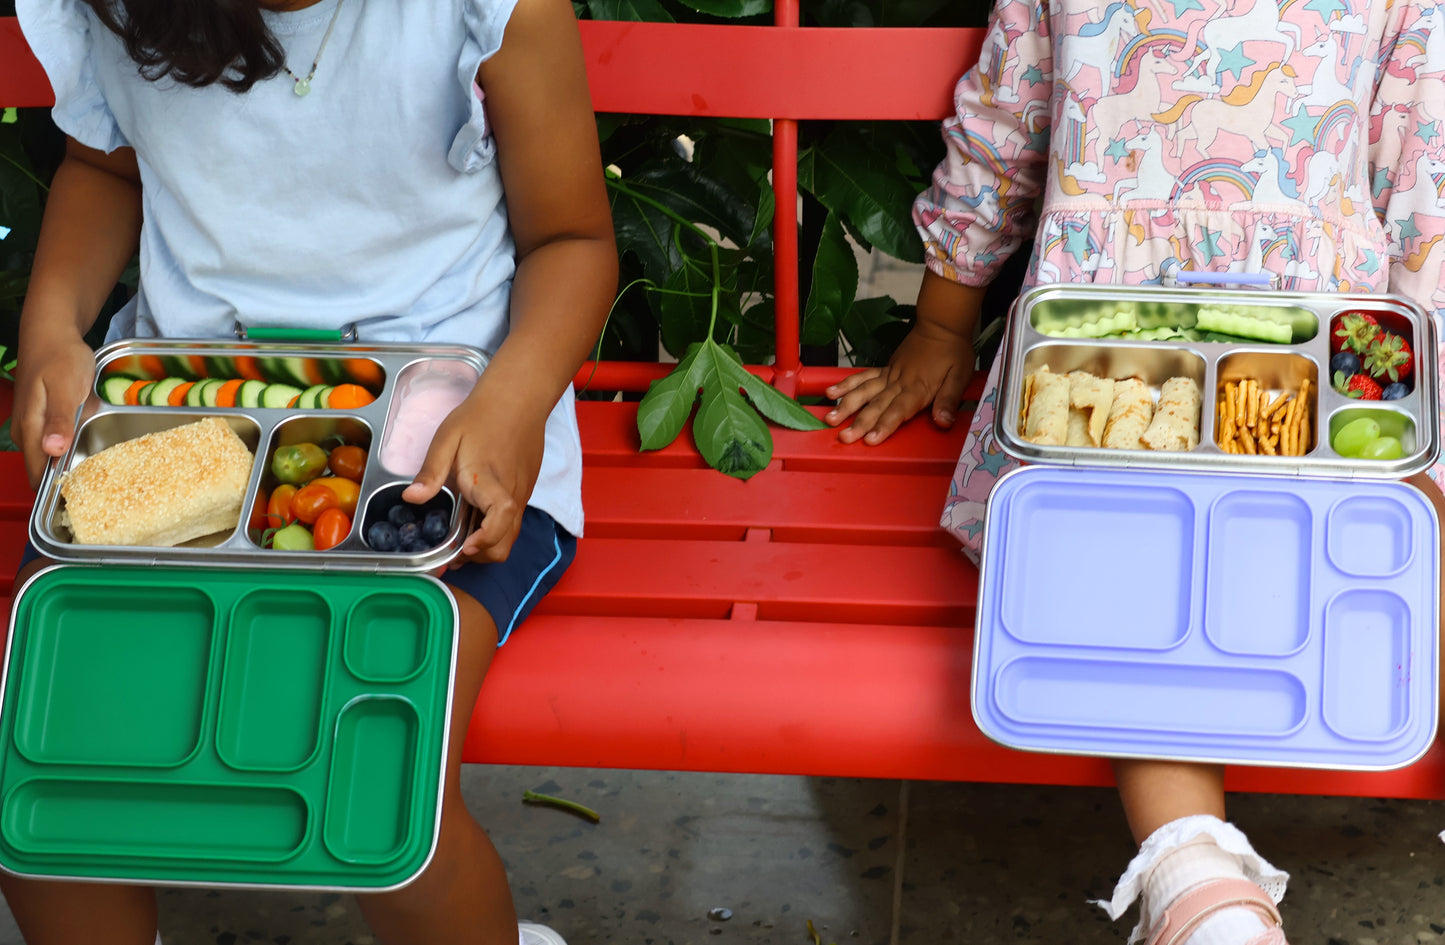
x,y
278,507
258,518
348,462
311,500
332,527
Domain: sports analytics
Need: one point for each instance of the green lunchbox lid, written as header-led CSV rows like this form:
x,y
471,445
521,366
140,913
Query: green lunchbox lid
x,y
225,726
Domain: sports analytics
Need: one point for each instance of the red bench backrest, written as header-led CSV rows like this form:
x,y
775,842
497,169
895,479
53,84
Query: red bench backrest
x,y
782,72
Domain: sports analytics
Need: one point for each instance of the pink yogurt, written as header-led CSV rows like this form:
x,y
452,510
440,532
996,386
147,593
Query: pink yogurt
x,y
419,407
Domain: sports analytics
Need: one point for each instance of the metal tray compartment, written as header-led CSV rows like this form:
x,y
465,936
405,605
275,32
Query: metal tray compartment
x,y
1048,328
400,378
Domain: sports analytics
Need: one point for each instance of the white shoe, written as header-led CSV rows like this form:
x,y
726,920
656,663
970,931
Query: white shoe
x,y
534,934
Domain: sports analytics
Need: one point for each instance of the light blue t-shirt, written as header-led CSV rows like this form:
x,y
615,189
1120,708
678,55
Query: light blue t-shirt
x,y
375,200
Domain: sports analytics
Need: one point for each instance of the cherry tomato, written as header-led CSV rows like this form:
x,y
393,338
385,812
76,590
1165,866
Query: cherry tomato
x,y
278,507
347,492
298,463
311,500
348,462
331,528
258,519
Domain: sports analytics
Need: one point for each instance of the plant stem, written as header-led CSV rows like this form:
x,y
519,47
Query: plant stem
x,y
580,810
617,185
24,170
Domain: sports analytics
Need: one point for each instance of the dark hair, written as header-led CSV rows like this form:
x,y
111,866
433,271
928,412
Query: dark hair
x,y
196,42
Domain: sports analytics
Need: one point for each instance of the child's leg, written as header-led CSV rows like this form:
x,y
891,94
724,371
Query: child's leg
x,y
1194,874
60,913
462,898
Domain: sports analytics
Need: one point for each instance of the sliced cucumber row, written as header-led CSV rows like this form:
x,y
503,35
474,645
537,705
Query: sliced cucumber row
x,y
203,393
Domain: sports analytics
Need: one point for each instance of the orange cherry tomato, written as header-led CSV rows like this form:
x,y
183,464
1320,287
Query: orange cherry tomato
x,y
347,492
332,527
258,519
348,462
226,393
349,397
311,500
177,396
278,507
133,390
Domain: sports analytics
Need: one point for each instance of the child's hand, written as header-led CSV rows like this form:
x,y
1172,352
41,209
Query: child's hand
x,y
493,458
933,364
51,384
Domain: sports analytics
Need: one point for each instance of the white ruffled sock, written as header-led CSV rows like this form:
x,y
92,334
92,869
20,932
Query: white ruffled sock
x,y
1182,854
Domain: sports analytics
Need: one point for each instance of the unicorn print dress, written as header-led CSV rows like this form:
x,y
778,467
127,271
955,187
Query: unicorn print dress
x,y
1304,138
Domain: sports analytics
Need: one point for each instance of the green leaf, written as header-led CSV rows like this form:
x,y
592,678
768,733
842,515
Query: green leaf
x,y
731,9
668,402
851,177
646,233
873,328
763,219
697,196
645,10
7,445
730,435
20,195
9,116
835,283
771,402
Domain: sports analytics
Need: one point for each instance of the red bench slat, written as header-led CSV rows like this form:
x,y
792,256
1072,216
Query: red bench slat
x,y
22,81
786,580
865,508
765,72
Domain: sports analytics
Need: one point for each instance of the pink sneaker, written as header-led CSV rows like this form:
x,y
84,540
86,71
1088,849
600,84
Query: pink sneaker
x,y
1185,913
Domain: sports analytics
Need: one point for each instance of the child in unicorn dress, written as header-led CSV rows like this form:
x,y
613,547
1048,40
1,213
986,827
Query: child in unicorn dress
x,y
1304,138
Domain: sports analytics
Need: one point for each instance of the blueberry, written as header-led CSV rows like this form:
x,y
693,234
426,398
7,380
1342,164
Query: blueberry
x,y
1345,362
434,529
414,546
400,514
382,536
1394,391
408,534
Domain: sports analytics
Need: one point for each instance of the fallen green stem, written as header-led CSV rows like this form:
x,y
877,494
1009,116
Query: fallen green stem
x,y
581,810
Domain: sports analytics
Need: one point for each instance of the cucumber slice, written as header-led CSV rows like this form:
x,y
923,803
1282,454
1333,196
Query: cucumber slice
x,y
113,388
297,371
193,396
313,397
209,392
160,392
333,370
250,394
177,367
279,395
143,396
223,368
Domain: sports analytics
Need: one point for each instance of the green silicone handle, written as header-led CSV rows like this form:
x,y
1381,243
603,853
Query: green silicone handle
x,y
293,334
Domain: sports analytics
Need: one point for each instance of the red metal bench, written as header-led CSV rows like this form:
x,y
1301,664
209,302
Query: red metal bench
x,y
813,620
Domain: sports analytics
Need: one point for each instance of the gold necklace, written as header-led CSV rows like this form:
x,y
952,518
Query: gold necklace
x,y
303,84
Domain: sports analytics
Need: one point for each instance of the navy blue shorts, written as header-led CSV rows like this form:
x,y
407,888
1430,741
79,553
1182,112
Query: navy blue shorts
x,y
508,589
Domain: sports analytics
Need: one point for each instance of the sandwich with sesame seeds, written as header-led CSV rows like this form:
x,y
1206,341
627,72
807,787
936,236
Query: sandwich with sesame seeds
x,y
160,489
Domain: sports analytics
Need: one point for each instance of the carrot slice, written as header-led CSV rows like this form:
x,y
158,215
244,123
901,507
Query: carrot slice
x,y
349,397
226,393
249,368
134,389
153,366
177,396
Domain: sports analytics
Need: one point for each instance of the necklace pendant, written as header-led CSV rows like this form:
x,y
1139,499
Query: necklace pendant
x,y
302,87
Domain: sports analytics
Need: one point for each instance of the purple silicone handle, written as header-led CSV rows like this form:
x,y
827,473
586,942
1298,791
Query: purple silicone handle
x,y
1266,279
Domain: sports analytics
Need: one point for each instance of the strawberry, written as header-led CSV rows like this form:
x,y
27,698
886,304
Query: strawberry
x,y
1356,332
1389,356
1361,386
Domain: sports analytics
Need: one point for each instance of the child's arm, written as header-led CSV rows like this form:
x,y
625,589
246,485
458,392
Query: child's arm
x,y
977,213
90,232
1406,148
551,165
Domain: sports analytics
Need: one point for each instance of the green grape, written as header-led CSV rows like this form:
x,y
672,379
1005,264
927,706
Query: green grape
x,y
1385,447
1352,438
